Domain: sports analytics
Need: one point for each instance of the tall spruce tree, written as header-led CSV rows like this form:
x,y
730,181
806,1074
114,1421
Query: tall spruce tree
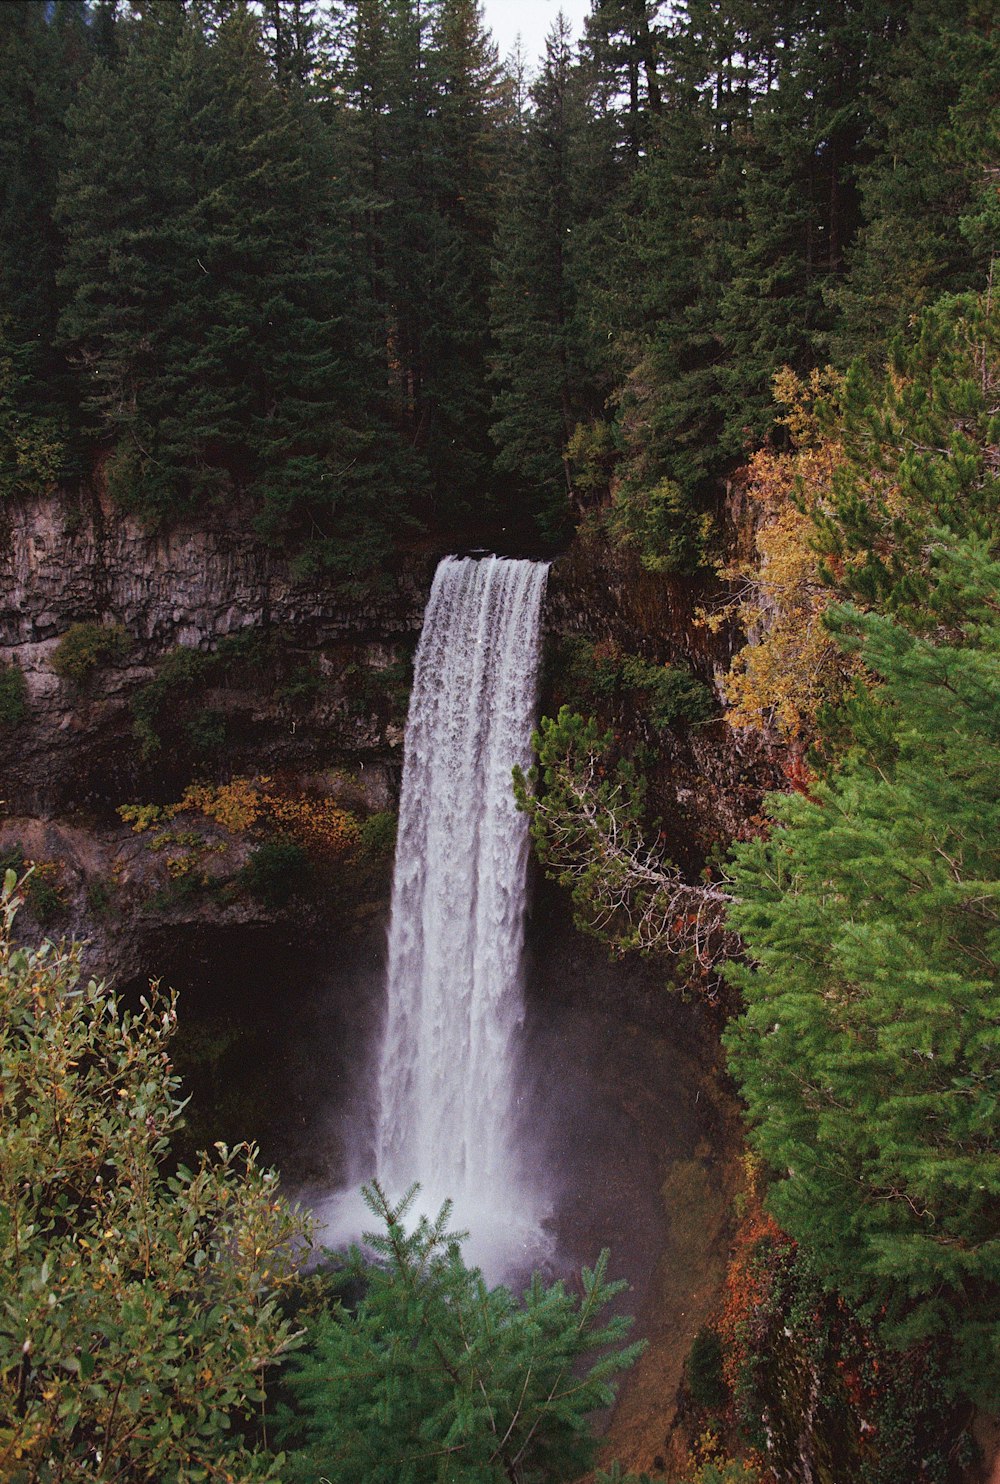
x,y
45,50
800,207
546,362
431,114
216,305
926,177
686,214
869,1053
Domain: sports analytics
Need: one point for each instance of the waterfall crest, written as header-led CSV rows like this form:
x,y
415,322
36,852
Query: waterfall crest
x,y
448,1074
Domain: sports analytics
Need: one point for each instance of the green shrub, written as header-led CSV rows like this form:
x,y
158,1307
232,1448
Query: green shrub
x,y
703,1369
433,1364
100,897
149,1290
378,835
178,671
663,526
13,695
276,871
302,686
595,673
672,694
183,674
85,647
42,888
206,732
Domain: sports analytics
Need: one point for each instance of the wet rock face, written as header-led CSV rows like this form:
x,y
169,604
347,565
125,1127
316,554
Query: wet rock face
x,y
193,587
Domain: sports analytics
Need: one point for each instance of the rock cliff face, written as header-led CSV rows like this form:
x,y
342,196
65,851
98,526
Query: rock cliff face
x,y
62,565
280,675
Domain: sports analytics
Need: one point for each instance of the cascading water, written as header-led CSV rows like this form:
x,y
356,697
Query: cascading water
x,y
448,1074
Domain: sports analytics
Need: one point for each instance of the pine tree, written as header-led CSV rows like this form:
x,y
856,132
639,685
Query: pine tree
x,y
622,36
431,115
217,301
44,52
545,362
869,1053
434,1375
921,462
799,199
686,213
925,177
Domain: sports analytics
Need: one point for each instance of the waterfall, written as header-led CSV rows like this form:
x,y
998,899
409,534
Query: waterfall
x,y
448,1074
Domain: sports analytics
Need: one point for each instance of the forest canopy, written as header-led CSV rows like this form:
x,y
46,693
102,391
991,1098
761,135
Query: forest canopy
x,y
340,263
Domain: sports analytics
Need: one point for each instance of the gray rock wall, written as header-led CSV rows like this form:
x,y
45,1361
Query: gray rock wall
x,y
194,586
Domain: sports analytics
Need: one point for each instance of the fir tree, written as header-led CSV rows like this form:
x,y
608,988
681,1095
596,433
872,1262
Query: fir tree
x,y
44,53
869,1053
217,304
925,177
545,362
436,1376
920,460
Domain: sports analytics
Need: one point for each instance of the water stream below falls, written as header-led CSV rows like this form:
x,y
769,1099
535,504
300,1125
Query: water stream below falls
x,y
449,1077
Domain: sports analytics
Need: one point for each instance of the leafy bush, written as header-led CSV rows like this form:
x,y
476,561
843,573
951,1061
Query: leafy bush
x,y
42,888
180,671
302,686
597,674
703,1369
85,647
13,695
276,871
378,835
140,1313
32,442
172,702
671,694
663,526
207,733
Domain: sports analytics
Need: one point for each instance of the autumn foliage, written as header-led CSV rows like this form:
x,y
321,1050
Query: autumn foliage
x,y
790,665
749,1279
259,805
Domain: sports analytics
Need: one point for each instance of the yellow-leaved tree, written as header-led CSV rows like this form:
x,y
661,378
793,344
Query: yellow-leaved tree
x,y
790,666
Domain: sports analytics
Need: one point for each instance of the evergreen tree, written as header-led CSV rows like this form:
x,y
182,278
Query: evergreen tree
x,y
623,38
431,112
920,446
869,1053
925,179
433,1375
545,363
216,302
44,52
686,214
799,199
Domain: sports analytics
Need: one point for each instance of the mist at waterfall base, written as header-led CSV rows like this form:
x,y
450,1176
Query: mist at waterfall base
x,y
451,1109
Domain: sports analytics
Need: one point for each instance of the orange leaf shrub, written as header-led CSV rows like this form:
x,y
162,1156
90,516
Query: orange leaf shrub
x,y
319,825
237,805
748,1281
790,665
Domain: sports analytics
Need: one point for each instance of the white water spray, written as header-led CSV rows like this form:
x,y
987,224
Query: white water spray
x,y
448,1073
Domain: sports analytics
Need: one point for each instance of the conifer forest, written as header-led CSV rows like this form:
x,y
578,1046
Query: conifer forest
x,y
307,307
